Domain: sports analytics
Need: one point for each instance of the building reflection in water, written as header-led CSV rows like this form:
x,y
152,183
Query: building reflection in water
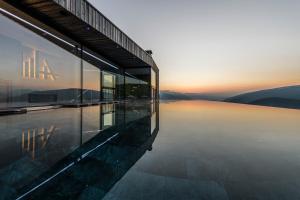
x,y
35,139
108,115
105,140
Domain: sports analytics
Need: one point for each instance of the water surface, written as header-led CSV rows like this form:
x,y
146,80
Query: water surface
x,y
183,150
72,153
213,150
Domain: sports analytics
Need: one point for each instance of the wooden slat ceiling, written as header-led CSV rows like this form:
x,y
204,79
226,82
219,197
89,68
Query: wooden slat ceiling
x,y
57,17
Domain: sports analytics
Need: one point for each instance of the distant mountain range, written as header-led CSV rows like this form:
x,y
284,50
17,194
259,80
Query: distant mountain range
x,y
170,95
286,97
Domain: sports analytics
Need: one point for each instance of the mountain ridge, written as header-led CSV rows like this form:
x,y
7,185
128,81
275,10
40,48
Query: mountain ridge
x,y
287,92
284,97
171,95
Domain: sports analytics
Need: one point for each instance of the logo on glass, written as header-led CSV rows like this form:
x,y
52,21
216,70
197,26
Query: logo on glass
x,y
35,69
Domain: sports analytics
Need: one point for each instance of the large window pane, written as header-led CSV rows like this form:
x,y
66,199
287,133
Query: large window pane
x,y
109,80
136,89
153,78
91,83
153,84
108,86
35,71
108,94
120,87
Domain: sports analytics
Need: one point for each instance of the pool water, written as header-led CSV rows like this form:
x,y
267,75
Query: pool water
x,y
174,150
212,150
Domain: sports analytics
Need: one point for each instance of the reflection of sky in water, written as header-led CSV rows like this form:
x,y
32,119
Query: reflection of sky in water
x,y
211,150
203,150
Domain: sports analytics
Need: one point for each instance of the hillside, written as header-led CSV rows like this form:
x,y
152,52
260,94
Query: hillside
x,y
287,97
170,95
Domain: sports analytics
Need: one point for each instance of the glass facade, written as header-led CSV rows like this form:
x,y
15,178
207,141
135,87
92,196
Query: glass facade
x,y
35,71
40,69
38,72
153,84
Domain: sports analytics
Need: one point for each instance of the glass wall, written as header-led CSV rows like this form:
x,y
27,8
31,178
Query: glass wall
x,y
37,72
120,91
153,85
108,86
33,70
91,83
136,89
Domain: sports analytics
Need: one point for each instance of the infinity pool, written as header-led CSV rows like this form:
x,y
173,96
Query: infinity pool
x,y
177,150
211,150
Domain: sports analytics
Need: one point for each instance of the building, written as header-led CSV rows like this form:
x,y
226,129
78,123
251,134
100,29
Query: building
x,y
66,52
61,54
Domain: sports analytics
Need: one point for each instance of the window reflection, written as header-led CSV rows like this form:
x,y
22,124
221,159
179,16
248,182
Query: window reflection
x,y
91,126
109,80
91,83
108,119
108,94
108,86
108,115
97,118
120,91
153,85
136,89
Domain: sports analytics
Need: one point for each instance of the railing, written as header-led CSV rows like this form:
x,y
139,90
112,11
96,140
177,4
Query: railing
x,y
86,12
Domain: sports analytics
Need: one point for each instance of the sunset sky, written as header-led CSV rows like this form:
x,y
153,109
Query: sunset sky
x,y
215,46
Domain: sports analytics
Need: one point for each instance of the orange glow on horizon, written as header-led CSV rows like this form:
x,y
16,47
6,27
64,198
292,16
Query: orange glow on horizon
x,y
230,88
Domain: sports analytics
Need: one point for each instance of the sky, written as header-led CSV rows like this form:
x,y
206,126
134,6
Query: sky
x,y
215,46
